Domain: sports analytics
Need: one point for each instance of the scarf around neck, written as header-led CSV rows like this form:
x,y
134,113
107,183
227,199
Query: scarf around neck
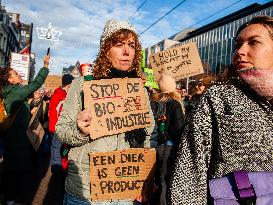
x,y
115,73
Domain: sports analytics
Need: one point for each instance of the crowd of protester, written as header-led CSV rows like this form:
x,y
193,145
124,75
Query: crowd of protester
x,y
221,129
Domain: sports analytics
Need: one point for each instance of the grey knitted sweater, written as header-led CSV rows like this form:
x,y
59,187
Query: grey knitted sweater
x,y
78,178
230,129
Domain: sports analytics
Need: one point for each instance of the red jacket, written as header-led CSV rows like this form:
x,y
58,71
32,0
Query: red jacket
x,y
55,108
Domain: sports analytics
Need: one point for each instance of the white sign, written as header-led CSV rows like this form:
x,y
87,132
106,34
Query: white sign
x,y
20,63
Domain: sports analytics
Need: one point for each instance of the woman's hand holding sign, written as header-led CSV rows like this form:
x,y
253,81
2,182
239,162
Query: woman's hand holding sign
x,y
84,122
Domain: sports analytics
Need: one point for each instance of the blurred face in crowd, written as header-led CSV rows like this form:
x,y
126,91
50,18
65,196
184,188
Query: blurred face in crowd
x,y
37,94
254,48
200,88
14,77
122,54
183,93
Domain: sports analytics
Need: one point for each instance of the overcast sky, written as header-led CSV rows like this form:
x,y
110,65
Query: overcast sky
x,y
81,22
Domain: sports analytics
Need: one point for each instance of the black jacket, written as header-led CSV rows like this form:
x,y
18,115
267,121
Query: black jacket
x,y
176,121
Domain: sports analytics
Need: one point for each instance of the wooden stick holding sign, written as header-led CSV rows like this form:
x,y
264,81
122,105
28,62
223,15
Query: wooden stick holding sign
x,y
179,62
117,105
123,174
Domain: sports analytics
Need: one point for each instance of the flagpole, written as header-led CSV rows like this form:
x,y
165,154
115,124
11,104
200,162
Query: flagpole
x,y
30,38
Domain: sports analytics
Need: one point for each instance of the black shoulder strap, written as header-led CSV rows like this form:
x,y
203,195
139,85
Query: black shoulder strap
x,y
86,78
161,108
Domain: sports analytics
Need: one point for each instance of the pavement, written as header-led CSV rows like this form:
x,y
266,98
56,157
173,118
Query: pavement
x,y
49,187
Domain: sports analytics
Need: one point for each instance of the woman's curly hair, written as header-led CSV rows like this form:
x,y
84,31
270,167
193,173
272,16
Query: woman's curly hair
x,y
102,63
4,73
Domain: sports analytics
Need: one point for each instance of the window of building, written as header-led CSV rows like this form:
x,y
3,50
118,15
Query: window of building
x,y
205,55
225,31
161,46
1,41
203,40
229,46
219,34
4,43
214,54
153,49
269,12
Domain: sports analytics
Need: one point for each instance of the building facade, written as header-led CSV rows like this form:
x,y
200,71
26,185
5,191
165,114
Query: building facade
x,y
73,70
215,41
164,44
14,35
4,33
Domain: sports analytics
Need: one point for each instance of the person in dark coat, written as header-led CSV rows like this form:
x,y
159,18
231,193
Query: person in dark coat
x,y
18,151
168,140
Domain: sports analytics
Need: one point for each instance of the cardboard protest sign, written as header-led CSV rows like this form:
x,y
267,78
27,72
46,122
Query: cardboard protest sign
x,y
35,131
179,62
52,82
122,174
20,63
116,105
150,78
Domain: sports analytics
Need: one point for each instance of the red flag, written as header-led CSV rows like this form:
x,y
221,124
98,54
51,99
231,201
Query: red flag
x,y
25,50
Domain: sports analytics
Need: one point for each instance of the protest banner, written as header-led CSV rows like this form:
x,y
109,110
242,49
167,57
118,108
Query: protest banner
x,y
35,131
143,58
150,78
117,105
52,82
20,63
122,174
179,62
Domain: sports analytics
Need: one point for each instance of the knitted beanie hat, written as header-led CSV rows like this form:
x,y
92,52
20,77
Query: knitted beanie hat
x,y
113,26
167,84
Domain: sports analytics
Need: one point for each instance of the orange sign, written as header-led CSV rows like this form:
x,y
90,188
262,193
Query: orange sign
x,y
116,105
52,82
123,174
179,62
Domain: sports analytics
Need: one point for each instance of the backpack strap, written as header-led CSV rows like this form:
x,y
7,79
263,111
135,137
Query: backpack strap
x,y
161,110
164,113
245,189
85,78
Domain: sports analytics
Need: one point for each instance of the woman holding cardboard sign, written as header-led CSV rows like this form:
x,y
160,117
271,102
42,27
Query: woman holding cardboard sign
x,y
119,57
